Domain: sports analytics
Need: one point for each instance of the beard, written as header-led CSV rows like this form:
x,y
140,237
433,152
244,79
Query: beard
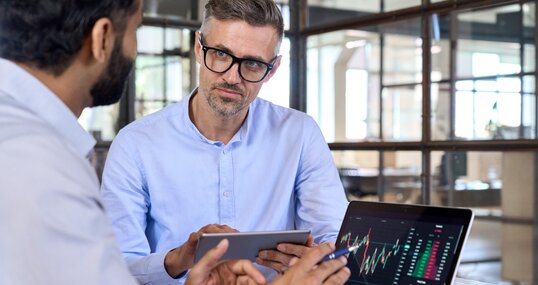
x,y
225,107
113,82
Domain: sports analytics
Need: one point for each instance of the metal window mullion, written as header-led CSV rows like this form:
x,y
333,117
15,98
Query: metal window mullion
x,y
535,222
535,72
193,64
522,64
426,107
453,43
298,10
381,158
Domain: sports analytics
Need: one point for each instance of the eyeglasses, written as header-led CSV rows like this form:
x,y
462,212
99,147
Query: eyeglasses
x,y
219,61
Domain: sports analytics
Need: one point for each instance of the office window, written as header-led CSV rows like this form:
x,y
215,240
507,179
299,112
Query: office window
x,y
277,89
322,12
359,172
401,113
162,74
101,122
171,8
440,111
356,103
529,26
494,59
285,10
335,58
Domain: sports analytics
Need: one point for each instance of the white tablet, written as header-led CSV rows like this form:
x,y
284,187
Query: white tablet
x,y
246,245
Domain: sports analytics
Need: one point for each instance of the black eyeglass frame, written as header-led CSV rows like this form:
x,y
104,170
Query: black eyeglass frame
x,y
237,60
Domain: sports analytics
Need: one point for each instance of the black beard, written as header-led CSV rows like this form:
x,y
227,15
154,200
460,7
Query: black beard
x,y
113,82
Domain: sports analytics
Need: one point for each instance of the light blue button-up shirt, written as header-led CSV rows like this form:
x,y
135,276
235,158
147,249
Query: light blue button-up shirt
x,y
164,180
53,226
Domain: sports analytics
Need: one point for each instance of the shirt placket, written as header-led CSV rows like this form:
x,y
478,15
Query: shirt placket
x,y
226,193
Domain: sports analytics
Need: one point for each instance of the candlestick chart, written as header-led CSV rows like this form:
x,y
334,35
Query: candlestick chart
x,y
393,251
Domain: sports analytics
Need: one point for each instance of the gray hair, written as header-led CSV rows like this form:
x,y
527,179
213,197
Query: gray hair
x,y
254,12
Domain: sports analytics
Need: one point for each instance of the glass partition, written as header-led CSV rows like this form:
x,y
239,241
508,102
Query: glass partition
x,y
402,53
440,111
277,89
162,69
469,179
344,82
182,9
402,108
529,26
101,122
492,54
322,12
359,172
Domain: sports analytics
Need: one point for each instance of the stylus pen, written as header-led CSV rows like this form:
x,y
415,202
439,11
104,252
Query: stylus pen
x,y
338,253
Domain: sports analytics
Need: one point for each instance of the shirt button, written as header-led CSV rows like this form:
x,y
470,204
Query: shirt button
x,y
224,152
226,194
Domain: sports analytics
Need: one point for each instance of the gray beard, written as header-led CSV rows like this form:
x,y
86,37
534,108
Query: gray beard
x,y
226,107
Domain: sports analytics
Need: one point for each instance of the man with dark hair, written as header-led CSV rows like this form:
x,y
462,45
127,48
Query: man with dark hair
x,y
222,160
56,58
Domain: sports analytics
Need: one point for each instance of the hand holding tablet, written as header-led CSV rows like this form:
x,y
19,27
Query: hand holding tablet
x,y
246,245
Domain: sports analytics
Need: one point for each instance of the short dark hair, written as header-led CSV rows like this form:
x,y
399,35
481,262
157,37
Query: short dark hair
x,y
46,34
253,12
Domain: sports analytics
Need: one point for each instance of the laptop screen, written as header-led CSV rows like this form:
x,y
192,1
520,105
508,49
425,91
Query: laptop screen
x,y
403,244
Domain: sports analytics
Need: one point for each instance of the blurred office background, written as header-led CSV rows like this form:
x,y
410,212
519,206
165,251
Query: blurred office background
x,y
421,101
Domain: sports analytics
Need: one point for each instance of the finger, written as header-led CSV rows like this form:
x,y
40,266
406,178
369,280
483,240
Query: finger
x,y
292,249
339,278
293,261
314,255
227,229
187,249
277,266
217,228
328,268
246,280
245,267
310,241
201,270
275,256
194,237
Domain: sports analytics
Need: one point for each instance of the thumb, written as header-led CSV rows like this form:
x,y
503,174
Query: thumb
x,y
310,241
201,270
212,257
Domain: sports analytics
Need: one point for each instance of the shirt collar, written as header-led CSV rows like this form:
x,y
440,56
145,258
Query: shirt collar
x,y
38,99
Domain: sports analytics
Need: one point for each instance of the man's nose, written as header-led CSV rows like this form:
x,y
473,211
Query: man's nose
x,y
232,76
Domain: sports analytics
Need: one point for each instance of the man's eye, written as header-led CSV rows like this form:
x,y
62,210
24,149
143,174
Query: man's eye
x,y
253,64
219,53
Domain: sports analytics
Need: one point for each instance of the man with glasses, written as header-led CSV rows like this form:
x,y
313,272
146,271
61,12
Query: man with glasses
x,y
222,160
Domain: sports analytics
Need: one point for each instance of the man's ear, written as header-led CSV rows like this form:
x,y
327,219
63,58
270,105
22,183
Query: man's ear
x,y
273,70
198,48
102,40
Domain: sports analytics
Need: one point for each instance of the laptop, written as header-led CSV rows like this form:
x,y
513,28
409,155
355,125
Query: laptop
x,y
401,244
